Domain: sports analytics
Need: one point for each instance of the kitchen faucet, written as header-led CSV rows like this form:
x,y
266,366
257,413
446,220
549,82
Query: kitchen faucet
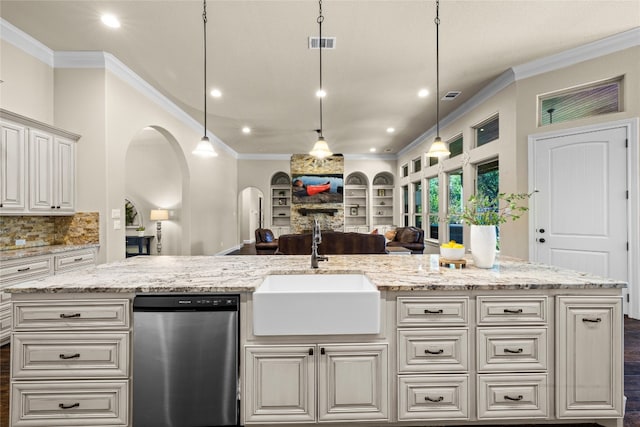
x,y
315,241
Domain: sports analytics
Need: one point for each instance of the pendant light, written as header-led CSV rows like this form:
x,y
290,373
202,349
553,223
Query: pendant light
x,y
320,148
438,148
204,147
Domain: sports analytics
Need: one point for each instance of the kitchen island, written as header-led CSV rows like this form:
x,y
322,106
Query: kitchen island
x,y
517,344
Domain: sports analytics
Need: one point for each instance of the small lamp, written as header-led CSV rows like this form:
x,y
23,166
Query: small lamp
x,y
159,215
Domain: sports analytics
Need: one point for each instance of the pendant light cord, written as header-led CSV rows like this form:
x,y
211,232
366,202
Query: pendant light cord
x,y
204,22
437,22
319,20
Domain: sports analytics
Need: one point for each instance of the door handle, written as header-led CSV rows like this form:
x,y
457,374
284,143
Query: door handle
x,y
541,240
541,231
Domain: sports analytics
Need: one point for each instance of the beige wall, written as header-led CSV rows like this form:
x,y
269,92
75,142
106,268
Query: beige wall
x,y
27,87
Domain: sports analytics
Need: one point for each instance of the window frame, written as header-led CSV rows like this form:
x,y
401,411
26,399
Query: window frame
x,y
476,129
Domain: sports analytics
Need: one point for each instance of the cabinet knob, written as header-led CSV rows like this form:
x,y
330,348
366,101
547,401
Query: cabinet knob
x,y
321,350
311,351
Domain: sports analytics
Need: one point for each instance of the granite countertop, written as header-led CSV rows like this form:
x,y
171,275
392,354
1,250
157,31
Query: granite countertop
x,y
245,273
42,250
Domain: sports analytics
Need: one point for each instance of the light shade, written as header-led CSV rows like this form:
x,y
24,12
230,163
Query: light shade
x,y
159,215
438,148
205,148
321,149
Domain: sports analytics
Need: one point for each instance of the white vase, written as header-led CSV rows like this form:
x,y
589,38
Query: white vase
x,y
483,245
141,233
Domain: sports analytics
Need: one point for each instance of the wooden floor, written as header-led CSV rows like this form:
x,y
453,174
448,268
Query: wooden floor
x,y
631,377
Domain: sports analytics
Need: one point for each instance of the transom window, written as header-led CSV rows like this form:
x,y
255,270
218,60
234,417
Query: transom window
x,y
455,146
487,131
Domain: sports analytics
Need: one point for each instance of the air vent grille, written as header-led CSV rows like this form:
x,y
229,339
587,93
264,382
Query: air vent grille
x,y
327,42
451,95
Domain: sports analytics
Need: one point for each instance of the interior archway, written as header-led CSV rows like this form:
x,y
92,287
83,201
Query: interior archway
x,y
251,213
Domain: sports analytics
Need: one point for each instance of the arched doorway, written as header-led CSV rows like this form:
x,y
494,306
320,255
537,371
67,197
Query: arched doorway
x,y
251,213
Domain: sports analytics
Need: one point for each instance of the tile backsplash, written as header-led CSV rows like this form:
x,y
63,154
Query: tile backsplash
x,y
80,228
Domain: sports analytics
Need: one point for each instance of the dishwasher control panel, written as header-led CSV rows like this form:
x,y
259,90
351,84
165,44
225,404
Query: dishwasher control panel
x,y
188,302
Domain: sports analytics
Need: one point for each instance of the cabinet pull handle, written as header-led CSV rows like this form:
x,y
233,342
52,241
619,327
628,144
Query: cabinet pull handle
x,y
508,350
69,316
53,207
73,356
77,259
596,320
514,399
57,207
321,350
311,352
427,351
427,311
437,399
73,405
20,270
511,311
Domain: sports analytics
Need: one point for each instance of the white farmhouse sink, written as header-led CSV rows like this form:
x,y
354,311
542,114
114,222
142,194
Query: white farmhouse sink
x,y
316,304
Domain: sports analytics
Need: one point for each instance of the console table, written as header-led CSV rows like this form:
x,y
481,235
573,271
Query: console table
x,y
143,243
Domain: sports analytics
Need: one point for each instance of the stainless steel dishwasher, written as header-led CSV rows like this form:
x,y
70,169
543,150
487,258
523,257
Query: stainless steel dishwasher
x,y
185,360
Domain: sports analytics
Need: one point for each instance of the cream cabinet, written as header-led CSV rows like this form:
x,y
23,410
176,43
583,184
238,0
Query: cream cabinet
x,y
315,382
70,362
13,167
37,167
589,357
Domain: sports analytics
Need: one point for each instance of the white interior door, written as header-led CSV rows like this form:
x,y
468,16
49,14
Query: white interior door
x,y
580,214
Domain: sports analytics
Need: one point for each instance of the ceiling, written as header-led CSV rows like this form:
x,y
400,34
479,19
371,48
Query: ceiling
x,y
258,57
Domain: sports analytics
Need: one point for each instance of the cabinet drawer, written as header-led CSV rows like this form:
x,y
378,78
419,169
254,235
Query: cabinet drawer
x,y
512,396
69,355
512,310
512,349
69,403
21,270
433,311
428,350
79,314
74,260
433,397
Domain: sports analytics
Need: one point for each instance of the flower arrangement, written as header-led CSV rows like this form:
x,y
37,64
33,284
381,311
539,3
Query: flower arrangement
x,y
484,210
141,228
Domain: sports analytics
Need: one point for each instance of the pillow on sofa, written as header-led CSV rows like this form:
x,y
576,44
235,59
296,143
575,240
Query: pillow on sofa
x,y
375,231
389,235
408,236
268,236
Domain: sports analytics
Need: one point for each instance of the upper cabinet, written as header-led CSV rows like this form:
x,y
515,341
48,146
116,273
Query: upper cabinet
x,y
38,166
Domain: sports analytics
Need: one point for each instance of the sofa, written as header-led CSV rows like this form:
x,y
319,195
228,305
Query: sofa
x,y
266,243
411,238
333,243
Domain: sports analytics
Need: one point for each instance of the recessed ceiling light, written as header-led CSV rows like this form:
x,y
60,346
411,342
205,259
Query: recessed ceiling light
x,y
321,93
391,130
216,93
110,21
246,130
372,150
423,93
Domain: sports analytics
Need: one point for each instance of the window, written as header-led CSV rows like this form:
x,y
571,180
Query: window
x,y
487,131
434,208
577,103
433,161
417,204
455,146
405,205
488,177
405,170
417,165
455,205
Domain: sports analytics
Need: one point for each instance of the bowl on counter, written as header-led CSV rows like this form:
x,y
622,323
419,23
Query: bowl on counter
x,y
452,254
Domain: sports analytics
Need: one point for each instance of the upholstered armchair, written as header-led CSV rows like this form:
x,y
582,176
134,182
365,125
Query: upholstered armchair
x,y
266,243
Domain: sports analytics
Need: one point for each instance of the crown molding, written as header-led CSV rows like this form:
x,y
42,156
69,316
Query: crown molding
x,y
23,41
251,156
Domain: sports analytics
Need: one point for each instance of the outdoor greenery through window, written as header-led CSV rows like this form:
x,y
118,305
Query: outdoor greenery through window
x,y
455,147
585,101
417,201
455,205
487,131
405,205
488,178
434,208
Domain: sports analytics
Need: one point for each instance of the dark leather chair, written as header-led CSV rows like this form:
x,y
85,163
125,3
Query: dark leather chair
x,y
333,243
411,238
266,243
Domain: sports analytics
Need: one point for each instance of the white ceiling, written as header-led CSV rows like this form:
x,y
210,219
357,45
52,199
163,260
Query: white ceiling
x,y
258,57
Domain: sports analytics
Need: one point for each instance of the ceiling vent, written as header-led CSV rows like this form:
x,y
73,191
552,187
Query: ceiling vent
x,y
327,42
451,95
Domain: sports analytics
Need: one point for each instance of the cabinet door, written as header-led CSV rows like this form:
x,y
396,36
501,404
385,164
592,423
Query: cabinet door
x,y
64,175
352,382
41,172
589,357
279,384
12,168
